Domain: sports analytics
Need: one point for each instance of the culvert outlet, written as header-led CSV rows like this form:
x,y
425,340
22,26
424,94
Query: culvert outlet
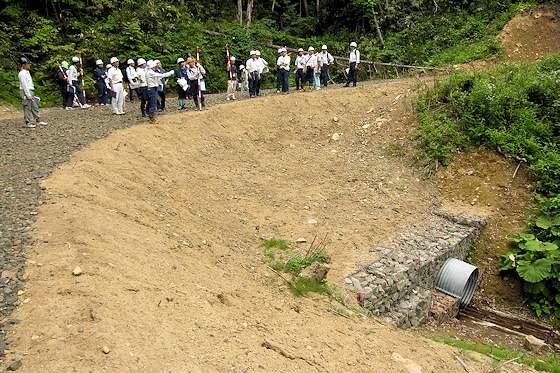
x,y
457,279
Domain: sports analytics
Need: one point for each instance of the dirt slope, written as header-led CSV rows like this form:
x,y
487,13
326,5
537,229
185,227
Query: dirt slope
x,y
165,223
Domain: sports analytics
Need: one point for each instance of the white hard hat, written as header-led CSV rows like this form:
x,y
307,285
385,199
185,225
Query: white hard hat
x,y
300,50
108,66
252,52
258,52
151,64
99,62
75,59
140,61
353,44
324,46
280,50
232,58
180,59
129,61
114,59
310,49
157,61
283,50
241,67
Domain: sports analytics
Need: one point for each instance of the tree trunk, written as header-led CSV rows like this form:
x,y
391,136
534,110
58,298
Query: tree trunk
x,y
240,11
273,4
249,11
306,8
377,28
318,6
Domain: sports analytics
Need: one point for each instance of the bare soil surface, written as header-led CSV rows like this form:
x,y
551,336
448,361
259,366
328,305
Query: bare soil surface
x,y
165,222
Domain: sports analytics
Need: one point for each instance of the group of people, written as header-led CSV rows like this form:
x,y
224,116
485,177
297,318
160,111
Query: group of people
x,y
148,80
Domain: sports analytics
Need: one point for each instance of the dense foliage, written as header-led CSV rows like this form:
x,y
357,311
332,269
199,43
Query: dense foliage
x,y
398,31
514,109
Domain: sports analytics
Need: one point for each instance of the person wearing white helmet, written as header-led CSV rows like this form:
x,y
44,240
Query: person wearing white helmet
x,y
243,74
132,79
154,81
311,66
354,61
72,74
115,77
300,67
253,73
182,79
142,86
28,99
283,63
232,79
278,72
100,76
326,59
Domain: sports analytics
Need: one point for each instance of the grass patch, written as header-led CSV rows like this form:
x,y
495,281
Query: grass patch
x,y
548,363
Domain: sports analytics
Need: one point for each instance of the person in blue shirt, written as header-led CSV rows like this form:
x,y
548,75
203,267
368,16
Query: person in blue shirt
x,y
182,79
101,75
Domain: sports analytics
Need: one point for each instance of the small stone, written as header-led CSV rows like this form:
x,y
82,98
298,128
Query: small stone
x,y
335,119
301,240
14,366
312,221
336,136
15,321
77,271
80,329
105,350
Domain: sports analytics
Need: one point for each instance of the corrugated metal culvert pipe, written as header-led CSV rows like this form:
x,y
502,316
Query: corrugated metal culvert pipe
x,y
457,279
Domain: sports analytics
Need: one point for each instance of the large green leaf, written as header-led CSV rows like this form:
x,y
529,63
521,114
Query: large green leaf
x,y
535,271
544,222
533,288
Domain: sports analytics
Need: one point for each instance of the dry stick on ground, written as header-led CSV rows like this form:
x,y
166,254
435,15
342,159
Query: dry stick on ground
x,y
282,277
504,363
462,363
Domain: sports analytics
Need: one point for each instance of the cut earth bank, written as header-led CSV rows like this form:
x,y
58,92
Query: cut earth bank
x,y
165,224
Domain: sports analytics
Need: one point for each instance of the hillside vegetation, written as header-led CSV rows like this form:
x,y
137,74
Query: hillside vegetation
x,y
423,32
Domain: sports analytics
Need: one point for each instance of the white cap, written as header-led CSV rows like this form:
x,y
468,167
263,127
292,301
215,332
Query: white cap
x,y
353,44
241,67
280,50
140,61
108,66
180,59
324,46
283,50
157,61
300,50
151,64
130,60
232,58
99,62
114,59
258,52
75,59
310,49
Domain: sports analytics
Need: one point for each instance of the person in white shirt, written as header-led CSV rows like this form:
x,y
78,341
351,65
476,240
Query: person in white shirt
x,y
326,59
311,65
109,97
142,85
153,81
194,73
132,77
300,67
254,69
263,65
115,77
72,74
28,99
353,68
283,63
